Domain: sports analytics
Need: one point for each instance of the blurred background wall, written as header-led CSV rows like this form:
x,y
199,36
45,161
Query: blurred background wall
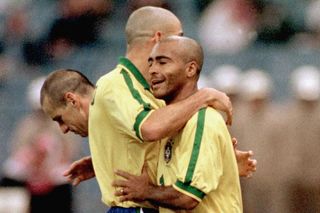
x,y
275,37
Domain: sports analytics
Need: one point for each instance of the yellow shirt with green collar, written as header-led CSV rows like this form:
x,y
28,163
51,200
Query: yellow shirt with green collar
x,y
200,162
122,101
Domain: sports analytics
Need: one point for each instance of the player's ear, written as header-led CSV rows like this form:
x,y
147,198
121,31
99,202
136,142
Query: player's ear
x,y
192,69
157,36
72,99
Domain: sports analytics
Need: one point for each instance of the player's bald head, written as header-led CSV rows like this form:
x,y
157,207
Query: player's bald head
x,y
146,21
186,48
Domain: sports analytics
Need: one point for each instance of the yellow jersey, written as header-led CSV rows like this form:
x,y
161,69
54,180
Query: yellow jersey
x,y
121,102
200,162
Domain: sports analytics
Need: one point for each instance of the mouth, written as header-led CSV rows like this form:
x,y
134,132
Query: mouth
x,y
156,82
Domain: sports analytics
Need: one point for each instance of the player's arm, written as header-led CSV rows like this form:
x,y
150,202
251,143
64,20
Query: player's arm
x,y
140,188
170,119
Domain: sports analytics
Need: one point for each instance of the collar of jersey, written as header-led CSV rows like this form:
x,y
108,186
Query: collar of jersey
x,y
135,72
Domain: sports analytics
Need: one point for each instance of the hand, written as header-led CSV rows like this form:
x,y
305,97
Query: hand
x,y
80,170
134,188
246,165
220,101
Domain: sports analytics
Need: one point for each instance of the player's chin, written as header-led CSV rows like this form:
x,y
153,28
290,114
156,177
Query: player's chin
x,y
158,95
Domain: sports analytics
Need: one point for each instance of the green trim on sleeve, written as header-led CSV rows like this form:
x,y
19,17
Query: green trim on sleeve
x,y
138,121
134,70
186,187
136,95
196,146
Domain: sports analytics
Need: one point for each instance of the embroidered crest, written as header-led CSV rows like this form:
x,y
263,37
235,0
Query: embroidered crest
x,y
168,151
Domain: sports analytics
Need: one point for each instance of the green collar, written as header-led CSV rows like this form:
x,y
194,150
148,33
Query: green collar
x,y
134,70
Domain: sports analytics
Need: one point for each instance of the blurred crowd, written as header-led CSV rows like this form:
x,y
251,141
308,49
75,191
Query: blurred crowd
x,y
284,137
38,35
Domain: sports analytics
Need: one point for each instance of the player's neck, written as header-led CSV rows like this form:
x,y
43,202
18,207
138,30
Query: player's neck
x,y
183,93
139,55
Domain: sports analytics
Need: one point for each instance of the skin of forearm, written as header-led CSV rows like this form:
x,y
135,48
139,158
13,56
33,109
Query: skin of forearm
x,y
168,120
168,197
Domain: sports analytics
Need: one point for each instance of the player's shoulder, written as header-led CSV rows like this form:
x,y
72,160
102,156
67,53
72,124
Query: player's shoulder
x,y
203,115
110,79
211,117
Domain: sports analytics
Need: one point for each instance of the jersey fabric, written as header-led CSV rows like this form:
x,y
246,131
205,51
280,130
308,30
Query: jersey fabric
x,y
200,162
122,101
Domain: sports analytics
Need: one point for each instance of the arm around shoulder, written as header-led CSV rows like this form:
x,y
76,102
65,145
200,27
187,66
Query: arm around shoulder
x,y
168,120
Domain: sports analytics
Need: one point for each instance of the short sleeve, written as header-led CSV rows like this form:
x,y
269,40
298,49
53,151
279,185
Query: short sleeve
x,y
127,106
200,166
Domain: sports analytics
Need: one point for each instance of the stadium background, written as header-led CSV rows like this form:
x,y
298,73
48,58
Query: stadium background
x,y
24,25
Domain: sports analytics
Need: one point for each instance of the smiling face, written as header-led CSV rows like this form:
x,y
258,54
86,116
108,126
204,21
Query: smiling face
x,y
167,71
69,117
174,66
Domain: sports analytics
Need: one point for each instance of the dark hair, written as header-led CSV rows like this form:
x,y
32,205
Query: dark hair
x,y
62,81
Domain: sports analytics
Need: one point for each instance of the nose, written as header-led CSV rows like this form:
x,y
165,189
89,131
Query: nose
x,y
152,70
64,128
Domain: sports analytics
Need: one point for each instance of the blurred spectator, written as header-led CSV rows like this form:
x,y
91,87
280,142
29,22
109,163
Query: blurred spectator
x,y
39,155
201,5
14,200
227,78
4,66
274,24
302,116
79,24
228,26
260,131
310,37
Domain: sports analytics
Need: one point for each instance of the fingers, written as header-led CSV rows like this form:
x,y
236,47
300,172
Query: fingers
x,y
120,192
244,154
234,142
69,171
248,154
253,164
229,119
123,174
123,195
119,183
125,198
76,181
72,168
229,112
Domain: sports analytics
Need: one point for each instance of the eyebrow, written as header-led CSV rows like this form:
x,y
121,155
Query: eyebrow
x,y
158,58
162,57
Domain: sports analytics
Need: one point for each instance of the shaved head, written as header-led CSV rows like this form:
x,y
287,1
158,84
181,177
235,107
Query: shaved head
x,y
62,81
174,67
146,21
186,48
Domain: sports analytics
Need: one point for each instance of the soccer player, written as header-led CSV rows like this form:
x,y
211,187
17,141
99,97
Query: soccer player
x,y
197,168
123,111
